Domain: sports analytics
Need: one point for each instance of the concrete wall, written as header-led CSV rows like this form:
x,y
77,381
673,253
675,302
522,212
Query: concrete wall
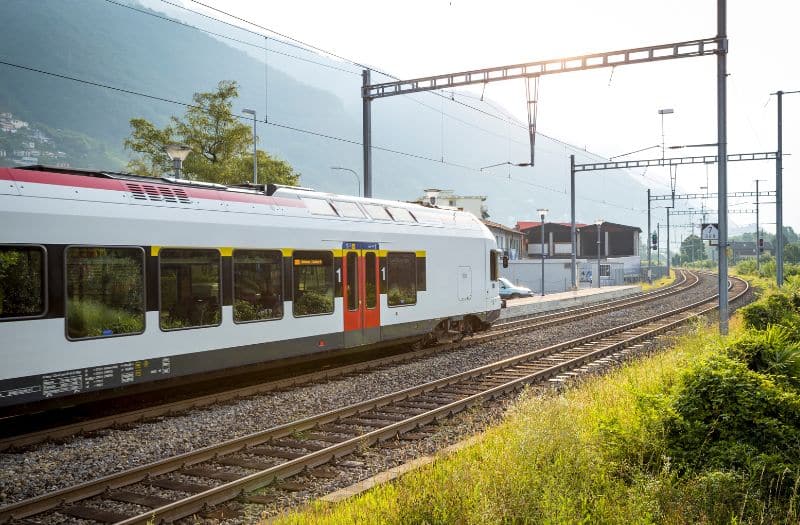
x,y
557,275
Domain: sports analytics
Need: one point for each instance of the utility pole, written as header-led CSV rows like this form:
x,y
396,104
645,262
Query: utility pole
x,y
649,242
758,232
669,262
722,156
658,243
366,128
573,237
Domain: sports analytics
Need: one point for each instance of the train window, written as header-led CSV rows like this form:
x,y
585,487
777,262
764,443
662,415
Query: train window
x,y
402,215
257,285
401,279
22,281
348,209
190,289
494,271
371,279
376,211
351,288
105,291
319,207
313,283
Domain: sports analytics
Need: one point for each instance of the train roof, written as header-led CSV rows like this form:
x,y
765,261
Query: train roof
x,y
181,191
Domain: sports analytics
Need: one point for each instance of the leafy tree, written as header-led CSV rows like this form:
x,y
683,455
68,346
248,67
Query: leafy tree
x,y
693,249
221,144
791,253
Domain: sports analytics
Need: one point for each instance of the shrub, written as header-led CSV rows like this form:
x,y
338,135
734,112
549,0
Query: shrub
x,y
730,418
774,308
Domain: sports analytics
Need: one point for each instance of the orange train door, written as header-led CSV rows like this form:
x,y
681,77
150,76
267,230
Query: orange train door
x,y
361,294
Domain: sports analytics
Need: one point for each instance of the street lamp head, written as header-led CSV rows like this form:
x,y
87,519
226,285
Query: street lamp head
x,y
178,151
542,212
599,221
250,112
666,111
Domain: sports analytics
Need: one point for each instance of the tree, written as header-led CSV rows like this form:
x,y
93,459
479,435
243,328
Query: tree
x,y
693,249
221,145
791,253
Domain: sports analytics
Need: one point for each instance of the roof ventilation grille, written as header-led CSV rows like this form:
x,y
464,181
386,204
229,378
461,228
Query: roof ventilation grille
x,y
137,191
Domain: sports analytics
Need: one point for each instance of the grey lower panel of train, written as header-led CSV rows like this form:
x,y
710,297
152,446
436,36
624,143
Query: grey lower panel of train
x,y
31,389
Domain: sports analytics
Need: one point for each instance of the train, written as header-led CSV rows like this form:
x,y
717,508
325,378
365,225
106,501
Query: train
x,y
109,281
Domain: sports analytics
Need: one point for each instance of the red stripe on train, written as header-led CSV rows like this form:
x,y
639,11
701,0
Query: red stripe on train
x,y
83,181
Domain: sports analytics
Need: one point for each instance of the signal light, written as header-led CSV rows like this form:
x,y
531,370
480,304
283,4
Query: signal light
x,y
761,246
654,242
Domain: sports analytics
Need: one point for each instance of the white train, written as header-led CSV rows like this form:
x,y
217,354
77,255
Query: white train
x,y
110,280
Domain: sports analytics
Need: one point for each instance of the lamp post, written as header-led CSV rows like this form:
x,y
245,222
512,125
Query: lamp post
x,y
662,112
599,223
358,181
255,139
178,153
542,213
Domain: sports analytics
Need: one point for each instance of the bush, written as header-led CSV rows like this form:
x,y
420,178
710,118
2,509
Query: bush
x,y
774,308
727,417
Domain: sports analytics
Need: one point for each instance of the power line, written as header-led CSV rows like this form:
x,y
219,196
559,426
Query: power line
x,y
178,22
291,128
237,40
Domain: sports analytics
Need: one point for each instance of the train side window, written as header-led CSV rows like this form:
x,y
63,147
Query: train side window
x,y
105,291
257,285
494,271
348,209
22,281
402,215
401,279
351,285
376,211
319,207
190,288
371,279
313,283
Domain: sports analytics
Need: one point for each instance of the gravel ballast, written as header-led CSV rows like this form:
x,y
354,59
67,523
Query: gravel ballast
x,y
51,466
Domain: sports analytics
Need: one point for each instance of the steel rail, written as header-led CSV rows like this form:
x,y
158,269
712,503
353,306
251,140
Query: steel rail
x,y
231,490
528,322
96,487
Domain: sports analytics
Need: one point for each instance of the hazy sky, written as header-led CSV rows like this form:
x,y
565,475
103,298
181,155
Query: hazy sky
x,y
608,114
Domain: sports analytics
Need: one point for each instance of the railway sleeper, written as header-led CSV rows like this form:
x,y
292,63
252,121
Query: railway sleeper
x,y
178,486
86,512
274,453
238,461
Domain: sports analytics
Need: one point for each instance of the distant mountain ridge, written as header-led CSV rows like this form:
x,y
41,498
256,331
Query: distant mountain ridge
x,y
421,141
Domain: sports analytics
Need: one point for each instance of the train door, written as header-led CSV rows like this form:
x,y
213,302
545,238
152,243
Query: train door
x,y
362,313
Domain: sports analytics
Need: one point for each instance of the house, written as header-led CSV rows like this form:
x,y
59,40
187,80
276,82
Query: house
x,y
508,239
447,199
616,240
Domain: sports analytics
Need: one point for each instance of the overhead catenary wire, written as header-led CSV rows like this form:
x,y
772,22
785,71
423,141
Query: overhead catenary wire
x,y
299,44
291,128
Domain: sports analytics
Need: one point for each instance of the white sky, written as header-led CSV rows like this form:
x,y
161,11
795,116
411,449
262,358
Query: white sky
x,y
609,115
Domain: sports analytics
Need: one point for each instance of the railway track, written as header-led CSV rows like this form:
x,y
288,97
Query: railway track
x,y
509,327
233,469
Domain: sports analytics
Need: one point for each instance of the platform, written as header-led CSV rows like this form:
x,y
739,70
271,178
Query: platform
x,y
558,301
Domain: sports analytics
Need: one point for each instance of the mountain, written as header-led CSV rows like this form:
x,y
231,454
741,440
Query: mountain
x,y
313,102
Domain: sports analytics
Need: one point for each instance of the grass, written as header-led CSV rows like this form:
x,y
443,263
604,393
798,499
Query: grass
x,y
592,454
664,281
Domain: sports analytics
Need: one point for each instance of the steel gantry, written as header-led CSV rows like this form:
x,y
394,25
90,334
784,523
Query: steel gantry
x,y
717,46
531,70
